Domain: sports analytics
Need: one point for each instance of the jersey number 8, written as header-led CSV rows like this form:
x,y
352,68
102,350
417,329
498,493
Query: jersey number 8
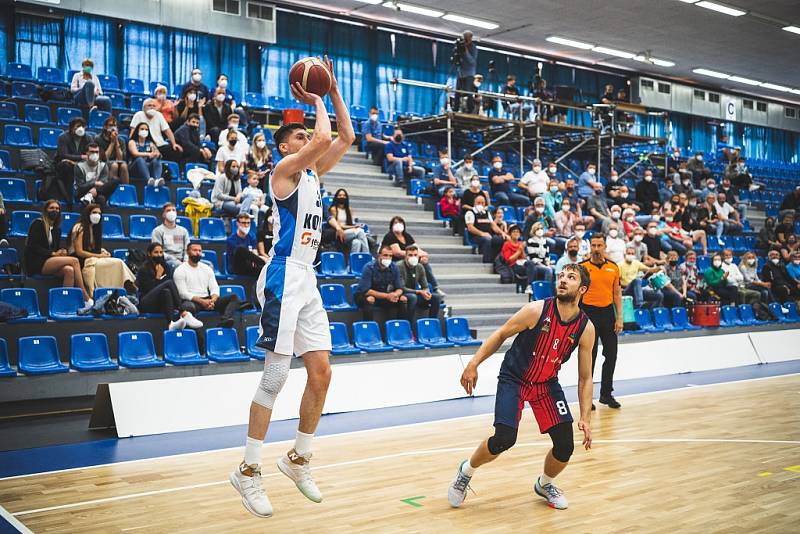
x,y
562,407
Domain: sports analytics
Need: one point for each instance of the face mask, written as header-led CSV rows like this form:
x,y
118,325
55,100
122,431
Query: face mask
x,y
373,117
565,208
655,217
572,253
652,232
194,259
192,97
630,257
673,263
775,261
413,261
220,98
468,166
87,70
551,170
624,195
223,84
234,127
234,172
717,264
475,183
197,77
53,215
233,141
554,189
261,144
398,138
751,262
711,187
539,209
638,238
444,161
497,165
579,234
341,200
477,84
161,97
171,216
615,215
676,155
728,261
689,263
80,131
386,262
270,219
613,233
537,169
480,208
592,171
796,262
150,113
398,227
94,158
144,133
699,158
648,178
614,177
94,218
539,233
669,219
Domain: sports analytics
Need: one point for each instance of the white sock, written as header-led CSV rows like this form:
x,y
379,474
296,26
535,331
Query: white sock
x,y
467,468
545,480
302,443
252,451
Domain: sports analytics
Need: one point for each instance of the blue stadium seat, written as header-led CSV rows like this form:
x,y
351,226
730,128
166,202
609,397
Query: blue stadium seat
x,y
747,315
108,81
334,298
645,320
509,214
174,168
97,118
387,129
429,332
136,102
117,100
112,227
38,355
251,336
5,162
120,253
142,226
195,165
399,336
8,256
276,103
180,348
792,314
186,222
21,221
704,262
327,202
542,290
64,303
48,138
417,188
222,346
662,320
359,112
729,316
180,194
19,71
254,100
133,85
64,115
136,350
100,292
89,352
8,111
50,75
155,197
14,190
358,260
15,135
458,332
332,265
367,337
124,197
68,220
211,229
153,86
5,367
340,343
26,90
37,114
25,298
210,257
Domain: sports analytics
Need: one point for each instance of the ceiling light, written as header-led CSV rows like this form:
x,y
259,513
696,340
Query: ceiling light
x,y
776,87
795,91
746,81
690,1
612,52
719,8
570,42
793,29
469,21
655,61
371,2
712,73
418,10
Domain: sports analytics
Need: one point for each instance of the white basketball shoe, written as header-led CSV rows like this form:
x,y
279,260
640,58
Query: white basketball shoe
x,y
552,494
296,468
254,498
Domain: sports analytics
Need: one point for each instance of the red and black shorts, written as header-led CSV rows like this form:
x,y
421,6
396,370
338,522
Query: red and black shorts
x,y
546,399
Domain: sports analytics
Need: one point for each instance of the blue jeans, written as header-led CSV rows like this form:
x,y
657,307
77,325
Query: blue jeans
x,y
429,275
231,208
515,199
144,169
538,271
643,294
416,302
398,171
86,98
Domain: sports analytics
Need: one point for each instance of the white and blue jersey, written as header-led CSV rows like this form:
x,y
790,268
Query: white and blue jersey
x,y
298,221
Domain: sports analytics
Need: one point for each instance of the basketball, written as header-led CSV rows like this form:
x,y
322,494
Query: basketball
x,y
312,74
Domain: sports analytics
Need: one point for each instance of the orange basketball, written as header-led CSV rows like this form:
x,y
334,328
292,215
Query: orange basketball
x,y
312,74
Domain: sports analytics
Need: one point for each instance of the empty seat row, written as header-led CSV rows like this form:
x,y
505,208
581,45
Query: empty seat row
x,y
367,336
676,319
332,264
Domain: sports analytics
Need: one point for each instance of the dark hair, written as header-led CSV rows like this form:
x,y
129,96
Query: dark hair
x,y
77,121
91,232
242,216
92,145
190,244
586,280
514,227
395,219
412,247
598,235
57,222
192,116
285,131
168,205
374,108
346,205
228,165
152,246
221,74
109,120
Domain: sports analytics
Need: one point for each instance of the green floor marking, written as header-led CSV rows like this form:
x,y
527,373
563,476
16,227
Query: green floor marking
x,y
411,500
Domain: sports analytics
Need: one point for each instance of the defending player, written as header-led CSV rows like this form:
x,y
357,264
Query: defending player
x,y
293,320
549,330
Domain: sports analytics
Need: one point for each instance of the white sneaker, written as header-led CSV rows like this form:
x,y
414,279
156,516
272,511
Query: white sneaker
x,y
528,290
180,324
88,198
89,303
441,293
151,181
296,468
457,491
159,182
254,498
192,321
554,496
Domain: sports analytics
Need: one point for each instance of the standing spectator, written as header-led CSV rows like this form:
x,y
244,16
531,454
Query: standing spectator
x,y
188,136
398,238
196,85
465,174
444,178
728,215
467,68
500,185
231,151
483,231
401,162
512,107
160,132
112,151
227,192
145,158
736,279
603,304
781,285
172,237
216,114
189,104
164,105
716,280
615,245
415,286
242,250
259,160
691,276
198,288
588,182
535,181
698,169
93,185
749,269
373,141
647,193
86,90
570,254
380,286
348,231
632,284
72,146
537,265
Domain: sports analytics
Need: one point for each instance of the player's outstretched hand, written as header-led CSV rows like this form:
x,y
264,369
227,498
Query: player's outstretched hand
x,y
302,95
469,378
583,426
329,64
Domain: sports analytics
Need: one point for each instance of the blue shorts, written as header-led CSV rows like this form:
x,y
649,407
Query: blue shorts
x,y
546,399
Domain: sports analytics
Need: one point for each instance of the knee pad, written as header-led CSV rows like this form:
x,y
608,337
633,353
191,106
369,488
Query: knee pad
x,y
276,371
503,439
563,444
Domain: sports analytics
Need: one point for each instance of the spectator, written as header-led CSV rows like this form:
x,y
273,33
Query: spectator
x,y
99,268
731,223
158,292
465,174
112,151
625,202
647,193
398,238
667,190
679,236
380,286
513,254
736,280
656,255
513,107
791,202
348,232
710,188
145,158
444,177
615,245
500,185
264,236
86,90
372,139
576,202
717,281
172,237
415,286
401,163
613,186
93,185
188,136
597,207
588,182
3,223
450,205
216,114
537,214
72,146
254,200
631,282
500,220
570,254
686,182
787,251
615,213
164,105
629,222
673,271
583,240
231,151
537,265
234,124
159,130
690,276
242,249
766,236
230,99
227,193
793,268
552,199
781,285
259,160
467,67
196,85
469,195
732,194
552,171
641,249
784,230
483,231
566,219
749,269
698,169
708,219
198,289
535,181
188,105
43,254
738,175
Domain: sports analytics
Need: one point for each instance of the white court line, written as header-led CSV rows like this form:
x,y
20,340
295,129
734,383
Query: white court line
x,y
390,457
14,521
369,430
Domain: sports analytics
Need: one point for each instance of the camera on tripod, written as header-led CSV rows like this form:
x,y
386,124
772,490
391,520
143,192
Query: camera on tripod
x,y
459,48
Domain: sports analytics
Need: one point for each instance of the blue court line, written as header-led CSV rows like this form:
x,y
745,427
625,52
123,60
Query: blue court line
x,y
42,459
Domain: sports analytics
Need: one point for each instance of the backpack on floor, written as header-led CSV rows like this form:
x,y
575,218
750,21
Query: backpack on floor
x,y
502,268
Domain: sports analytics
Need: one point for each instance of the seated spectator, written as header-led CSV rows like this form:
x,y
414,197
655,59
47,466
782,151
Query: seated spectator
x,y
537,256
570,255
632,284
732,194
584,244
500,220
749,269
465,174
710,188
566,219
784,230
72,147
597,207
160,132
647,194
449,204
43,254
656,254
500,186
188,136
637,239
158,292
196,85
222,83
373,141
86,90
789,248
468,200
513,107
164,105
577,204
99,268
234,125
264,236
535,181
588,182
232,150
613,186
766,236
145,158
791,202
690,276
716,280
673,270
415,286
216,114
242,250
445,177
667,190
400,161
259,160
483,231
112,151
708,219
781,285
189,104
624,201
93,185
552,198
698,169
615,245
552,171
513,254
254,200
348,232
538,214
398,238
227,193
731,223
172,237
793,268
678,236
615,213
198,288
736,279
739,176
3,223
685,184
380,286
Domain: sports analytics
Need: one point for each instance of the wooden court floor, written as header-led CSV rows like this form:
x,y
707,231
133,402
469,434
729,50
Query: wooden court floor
x,y
722,458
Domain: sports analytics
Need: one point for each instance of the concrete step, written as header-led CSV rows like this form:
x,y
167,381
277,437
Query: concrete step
x,y
476,278
360,194
485,290
464,269
391,205
438,259
366,171
481,307
436,249
484,320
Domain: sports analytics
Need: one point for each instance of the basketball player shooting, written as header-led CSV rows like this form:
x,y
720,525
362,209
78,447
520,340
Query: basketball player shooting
x,y
549,330
293,320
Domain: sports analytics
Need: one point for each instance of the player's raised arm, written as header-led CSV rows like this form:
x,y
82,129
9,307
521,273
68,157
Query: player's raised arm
x,y
525,318
344,128
585,382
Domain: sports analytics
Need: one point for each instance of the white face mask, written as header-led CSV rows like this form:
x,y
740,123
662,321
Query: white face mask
x,y
669,218
655,217
579,234
539,233
613,233
615,215
220,98
150,113
197,77
648,178
712,186
624,195
614,177
699,158
480,208
728,261
386,262
652,232
751,262
270,219
565,208
373,117
171,215
477,84
475,183
444,161
223,84
412,261
630,257
144,133
539,209
261,144
551,170
398,227
192,97
717,263
94,158
497,165
234,127
775,261
468,166
592,171
94,218
537,169
80,131
638,238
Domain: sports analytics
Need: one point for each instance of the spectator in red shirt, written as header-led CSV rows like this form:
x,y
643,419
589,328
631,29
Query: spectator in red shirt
x,y
449,205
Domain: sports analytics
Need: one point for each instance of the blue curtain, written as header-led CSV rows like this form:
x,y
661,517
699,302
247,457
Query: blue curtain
x,y
232,61
91,37
38,41
146,53
5,24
